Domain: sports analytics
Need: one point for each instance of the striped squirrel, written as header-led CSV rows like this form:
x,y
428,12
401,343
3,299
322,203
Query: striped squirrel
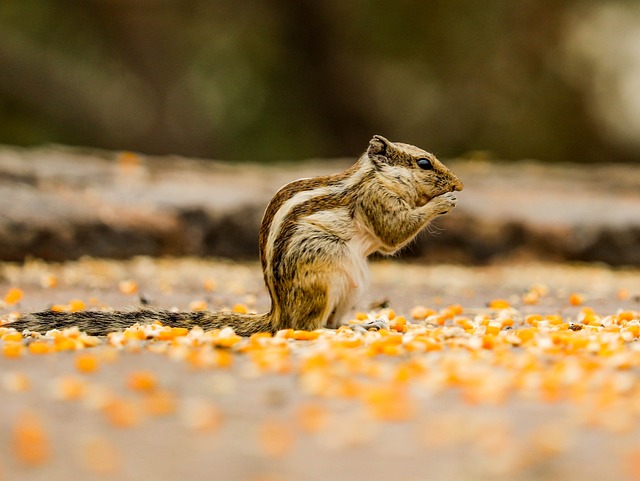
x,y
315,237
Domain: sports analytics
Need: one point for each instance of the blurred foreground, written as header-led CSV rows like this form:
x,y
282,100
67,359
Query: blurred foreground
x,y
504,372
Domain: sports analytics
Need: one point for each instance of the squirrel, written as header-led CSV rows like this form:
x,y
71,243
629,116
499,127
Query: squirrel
x,y
315,237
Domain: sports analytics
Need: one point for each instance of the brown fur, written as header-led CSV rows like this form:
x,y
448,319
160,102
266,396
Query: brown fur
x,y
315,237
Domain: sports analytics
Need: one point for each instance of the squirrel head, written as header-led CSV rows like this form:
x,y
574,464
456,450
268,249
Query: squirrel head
x,y
412,168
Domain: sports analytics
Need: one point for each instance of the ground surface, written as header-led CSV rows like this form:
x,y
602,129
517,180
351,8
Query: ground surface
x,y
58,203
463,391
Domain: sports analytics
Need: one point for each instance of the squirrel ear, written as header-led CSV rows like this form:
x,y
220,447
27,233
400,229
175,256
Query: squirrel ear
x,y
378,145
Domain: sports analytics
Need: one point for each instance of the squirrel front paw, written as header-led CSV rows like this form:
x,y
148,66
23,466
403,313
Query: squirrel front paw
x,y
444,203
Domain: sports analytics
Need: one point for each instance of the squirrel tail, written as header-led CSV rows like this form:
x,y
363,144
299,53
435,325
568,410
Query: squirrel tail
x,y
100,323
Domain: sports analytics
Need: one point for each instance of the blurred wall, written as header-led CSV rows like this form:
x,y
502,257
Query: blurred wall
x,y
274,79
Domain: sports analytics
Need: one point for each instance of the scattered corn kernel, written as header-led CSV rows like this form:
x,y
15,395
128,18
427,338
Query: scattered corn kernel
x,y
210,285
69,388
142,381
198,306
470,355
240,308
87,363
499,304
159,403
40,347
76,305
122,413
12,350
128,287
31,444
576,299
11,337
420,313
13,296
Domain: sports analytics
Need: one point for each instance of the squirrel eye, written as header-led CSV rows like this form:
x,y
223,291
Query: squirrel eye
x,y
425,164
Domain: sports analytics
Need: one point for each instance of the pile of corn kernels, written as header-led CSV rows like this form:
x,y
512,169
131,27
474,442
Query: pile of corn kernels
x,y
489,391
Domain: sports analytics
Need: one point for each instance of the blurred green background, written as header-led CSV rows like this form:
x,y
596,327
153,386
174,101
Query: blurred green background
x,y
289,79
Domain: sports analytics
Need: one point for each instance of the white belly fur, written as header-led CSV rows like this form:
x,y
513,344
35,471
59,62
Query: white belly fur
x,y
352,280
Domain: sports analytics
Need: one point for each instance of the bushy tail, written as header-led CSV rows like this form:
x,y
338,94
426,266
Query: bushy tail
x,y
100,323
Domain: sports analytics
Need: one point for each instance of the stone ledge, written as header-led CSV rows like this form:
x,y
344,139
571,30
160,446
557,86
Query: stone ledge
x,y
59,203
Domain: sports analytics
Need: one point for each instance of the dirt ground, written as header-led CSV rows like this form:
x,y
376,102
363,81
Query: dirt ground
x,y
488,390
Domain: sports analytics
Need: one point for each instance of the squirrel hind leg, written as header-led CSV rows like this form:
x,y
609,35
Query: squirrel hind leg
x,y
306,304
317,299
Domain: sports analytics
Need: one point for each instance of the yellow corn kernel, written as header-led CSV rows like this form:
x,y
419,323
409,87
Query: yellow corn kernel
x,y
499,304
260,335
576,299
76,305
210,285
420,313
64,343
627,316
198,306
423,343
508,322
13,296
531,297
70,388
142,381
87,363
31,443
451,311
122,413
465,323
533,319
634,330
159,403
285,333
128,287
492,329
361,316
12,350
526,334
230,341
389,403
240,308
305,335
399,324
164,334
12,337
40,347
488,341
623,294
554,319
134,334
